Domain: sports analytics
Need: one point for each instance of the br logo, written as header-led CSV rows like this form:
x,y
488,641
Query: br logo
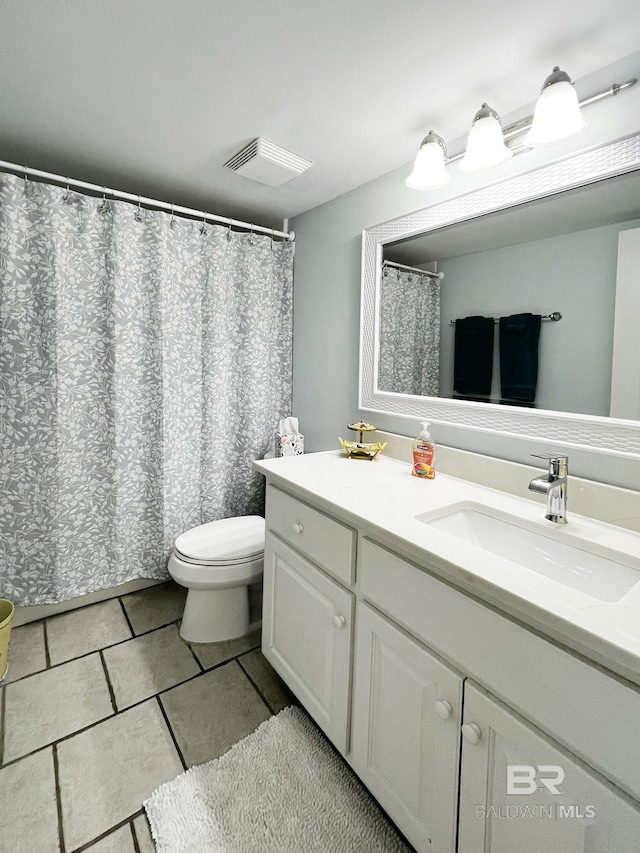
x,y
528,778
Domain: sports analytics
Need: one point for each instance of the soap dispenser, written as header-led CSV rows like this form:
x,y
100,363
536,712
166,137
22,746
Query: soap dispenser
x,y
424,455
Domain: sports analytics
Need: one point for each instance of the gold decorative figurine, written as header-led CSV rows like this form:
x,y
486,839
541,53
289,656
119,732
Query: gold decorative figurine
x,y
359,449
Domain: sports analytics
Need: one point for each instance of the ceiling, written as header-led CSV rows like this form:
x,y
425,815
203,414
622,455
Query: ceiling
x,y
154,96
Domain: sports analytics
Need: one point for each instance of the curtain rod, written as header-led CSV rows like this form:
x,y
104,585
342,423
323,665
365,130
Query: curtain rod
x,y
148,202
431,274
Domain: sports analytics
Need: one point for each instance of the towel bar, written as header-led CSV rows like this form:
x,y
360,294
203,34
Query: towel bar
x,y
555,316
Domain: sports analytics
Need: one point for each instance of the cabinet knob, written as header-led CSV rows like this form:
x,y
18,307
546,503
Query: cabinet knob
x,y
471,732
444,709
297,527
339,620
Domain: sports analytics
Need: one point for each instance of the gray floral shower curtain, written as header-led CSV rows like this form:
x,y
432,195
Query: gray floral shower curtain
x,y
409,361
145,360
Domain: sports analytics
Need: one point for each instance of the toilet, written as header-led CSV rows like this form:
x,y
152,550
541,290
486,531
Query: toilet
x,y
217,562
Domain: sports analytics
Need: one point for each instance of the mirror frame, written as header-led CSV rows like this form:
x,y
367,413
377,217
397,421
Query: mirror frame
x,y
562,428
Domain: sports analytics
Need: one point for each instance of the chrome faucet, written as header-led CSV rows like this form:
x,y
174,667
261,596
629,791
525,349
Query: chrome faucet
x,y
554,486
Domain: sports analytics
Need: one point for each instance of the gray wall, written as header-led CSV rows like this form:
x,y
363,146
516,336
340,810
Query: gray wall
x,y
327,286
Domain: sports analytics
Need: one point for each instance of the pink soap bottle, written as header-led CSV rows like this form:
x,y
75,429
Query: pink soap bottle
x,y
424,455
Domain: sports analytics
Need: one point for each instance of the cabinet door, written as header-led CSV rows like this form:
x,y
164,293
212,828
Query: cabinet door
x,y
405,731
306,636
521,792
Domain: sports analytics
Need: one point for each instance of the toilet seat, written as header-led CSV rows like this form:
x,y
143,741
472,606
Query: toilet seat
x,y
229,541
196,575
197,562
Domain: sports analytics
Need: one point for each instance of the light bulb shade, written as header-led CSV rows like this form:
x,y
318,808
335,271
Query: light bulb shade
x,y
485,146
429,171
557,114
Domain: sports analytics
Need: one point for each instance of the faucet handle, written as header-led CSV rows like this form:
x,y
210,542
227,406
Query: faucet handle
x,y
550,456
558,462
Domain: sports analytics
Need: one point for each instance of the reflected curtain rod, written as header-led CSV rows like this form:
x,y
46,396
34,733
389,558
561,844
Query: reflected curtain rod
x,y
554,317
143,200
439,275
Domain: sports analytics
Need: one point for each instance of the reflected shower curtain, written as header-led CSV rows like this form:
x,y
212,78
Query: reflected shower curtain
x,y
409,333
145,361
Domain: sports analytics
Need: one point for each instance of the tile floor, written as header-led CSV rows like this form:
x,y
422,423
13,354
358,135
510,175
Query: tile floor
x,y
103,704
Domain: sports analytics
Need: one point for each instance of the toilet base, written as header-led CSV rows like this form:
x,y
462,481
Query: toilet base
x,y
214,615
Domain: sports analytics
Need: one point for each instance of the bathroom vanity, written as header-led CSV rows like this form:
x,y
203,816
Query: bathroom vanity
x,y
486,705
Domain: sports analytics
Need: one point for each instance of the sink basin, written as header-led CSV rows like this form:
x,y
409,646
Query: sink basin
x,y
607,578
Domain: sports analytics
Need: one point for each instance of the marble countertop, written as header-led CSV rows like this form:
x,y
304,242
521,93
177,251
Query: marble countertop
x,y
382,499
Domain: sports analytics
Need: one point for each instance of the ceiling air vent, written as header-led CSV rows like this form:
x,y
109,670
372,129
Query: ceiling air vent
x,y
267,163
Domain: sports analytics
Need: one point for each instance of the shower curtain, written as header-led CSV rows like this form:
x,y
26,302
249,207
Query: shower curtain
x,y
145,360
409,333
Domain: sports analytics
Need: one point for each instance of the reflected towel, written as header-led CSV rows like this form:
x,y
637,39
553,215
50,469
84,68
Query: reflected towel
x,y
519,337
473,355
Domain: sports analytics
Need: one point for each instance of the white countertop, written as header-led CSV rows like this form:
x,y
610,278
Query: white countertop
x,y
382,499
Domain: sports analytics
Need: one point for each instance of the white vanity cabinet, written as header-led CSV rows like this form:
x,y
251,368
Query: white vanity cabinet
x,y
307,616
434,697
539,685
407,708
519,791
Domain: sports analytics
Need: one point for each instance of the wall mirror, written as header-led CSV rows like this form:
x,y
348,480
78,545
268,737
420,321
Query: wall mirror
x,y
545,242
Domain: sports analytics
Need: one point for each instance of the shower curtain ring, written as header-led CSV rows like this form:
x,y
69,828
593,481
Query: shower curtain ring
x,y
172,221
103,207
138,214
203,227
251,235
229,232
66,196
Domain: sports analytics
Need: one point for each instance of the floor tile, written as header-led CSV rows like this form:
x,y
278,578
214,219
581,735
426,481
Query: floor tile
x,y
270,686
29,814
154,607
120,841
85,630
212,654
26,651
212,712
107,771
45,707
146,665
143,834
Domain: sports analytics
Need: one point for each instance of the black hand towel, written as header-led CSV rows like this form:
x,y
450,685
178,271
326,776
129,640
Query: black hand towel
x,y
473,355
519,337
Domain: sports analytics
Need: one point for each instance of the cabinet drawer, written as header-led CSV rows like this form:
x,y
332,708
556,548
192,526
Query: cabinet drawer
x,y
593,714
330,544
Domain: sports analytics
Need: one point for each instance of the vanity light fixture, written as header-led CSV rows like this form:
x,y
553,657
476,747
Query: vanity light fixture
x,y
429,172
557,114
556,117
485,146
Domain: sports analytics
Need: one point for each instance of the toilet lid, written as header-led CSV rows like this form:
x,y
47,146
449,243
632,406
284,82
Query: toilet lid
x,y
226,540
